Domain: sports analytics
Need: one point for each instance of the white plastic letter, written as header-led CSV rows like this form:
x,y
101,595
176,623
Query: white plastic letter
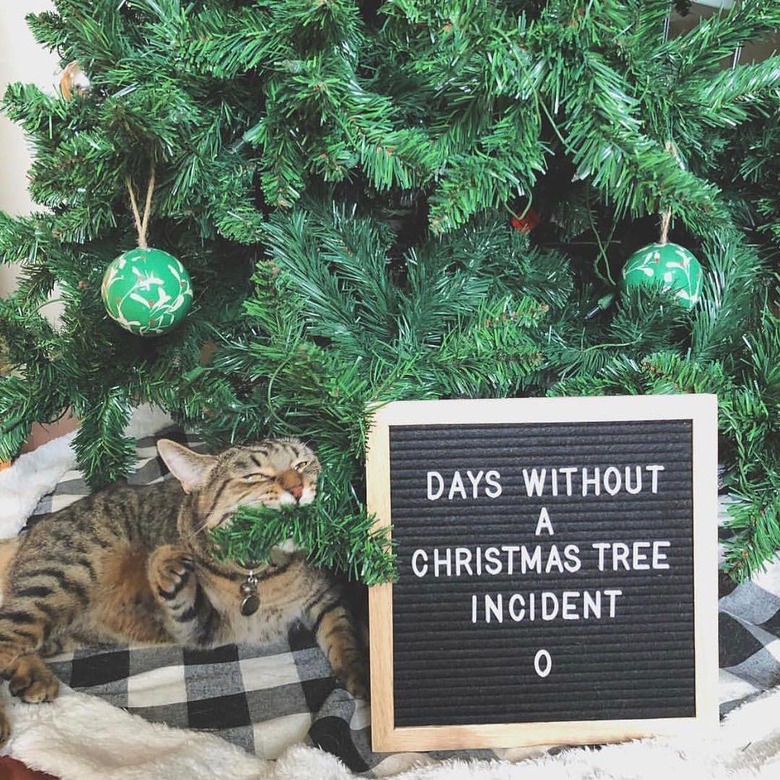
x,y
435,492
543,663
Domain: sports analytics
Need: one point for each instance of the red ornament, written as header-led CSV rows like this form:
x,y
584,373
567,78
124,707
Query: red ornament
x,y
526,222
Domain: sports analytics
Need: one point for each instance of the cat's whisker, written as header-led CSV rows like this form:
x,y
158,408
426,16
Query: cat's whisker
x,y
200,527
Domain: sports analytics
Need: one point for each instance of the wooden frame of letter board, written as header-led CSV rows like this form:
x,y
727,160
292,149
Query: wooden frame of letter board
x,y
702,411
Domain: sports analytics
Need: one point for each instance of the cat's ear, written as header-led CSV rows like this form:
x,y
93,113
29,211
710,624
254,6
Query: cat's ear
x,y
190,468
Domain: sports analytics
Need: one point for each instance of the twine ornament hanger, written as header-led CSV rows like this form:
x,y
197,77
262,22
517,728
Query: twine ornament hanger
x,y
666,216
142,222
666,221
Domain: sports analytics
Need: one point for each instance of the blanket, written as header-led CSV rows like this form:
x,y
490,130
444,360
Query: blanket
x,y
82,738
276,711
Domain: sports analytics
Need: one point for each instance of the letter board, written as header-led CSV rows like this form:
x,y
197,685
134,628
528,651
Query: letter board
x,y
557,564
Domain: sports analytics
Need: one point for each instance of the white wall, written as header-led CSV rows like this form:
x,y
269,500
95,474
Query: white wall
x,y
21,59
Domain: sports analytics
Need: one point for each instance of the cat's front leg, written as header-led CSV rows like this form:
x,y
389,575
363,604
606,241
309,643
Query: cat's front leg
x,y
28,678
21,636
32,681
336,634
189,616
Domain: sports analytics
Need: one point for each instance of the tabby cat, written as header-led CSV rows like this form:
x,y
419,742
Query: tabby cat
x,y
132,564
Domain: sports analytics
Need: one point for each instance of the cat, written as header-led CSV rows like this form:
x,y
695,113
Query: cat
x,y
133,564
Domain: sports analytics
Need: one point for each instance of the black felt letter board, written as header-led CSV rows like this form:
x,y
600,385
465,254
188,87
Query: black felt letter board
x,y
546,573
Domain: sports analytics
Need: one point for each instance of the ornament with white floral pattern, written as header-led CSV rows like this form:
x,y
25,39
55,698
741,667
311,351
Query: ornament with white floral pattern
x,y
146,291
670,266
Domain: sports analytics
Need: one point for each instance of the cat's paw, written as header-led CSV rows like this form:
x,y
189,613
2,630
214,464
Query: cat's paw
x,y
356,682
170,570
32,681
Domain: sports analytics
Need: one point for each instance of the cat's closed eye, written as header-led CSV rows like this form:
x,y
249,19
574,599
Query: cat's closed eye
x,y
257,476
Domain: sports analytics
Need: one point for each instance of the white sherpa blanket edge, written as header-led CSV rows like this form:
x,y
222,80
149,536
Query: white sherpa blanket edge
x,y
79,737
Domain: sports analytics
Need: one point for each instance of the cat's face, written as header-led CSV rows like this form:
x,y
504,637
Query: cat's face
x,y
274,473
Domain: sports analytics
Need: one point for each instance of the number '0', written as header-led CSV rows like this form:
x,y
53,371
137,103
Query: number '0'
x,y
543,663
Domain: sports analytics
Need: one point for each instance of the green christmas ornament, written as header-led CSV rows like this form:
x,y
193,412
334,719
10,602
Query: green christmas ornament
x,y
147,291
669,265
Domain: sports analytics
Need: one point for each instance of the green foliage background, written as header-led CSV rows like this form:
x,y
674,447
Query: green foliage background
x,y
338,178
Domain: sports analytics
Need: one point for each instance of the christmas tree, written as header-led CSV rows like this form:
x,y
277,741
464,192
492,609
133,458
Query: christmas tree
x,y
413,199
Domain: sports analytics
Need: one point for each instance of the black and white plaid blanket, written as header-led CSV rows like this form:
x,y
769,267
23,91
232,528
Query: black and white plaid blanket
x,y
266,698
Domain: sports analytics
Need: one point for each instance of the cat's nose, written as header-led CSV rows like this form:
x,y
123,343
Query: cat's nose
x,y
290,481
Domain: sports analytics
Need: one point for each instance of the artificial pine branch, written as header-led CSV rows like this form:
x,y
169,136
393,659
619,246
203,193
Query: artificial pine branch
x,y
756,537
15,412
347,543
100,443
